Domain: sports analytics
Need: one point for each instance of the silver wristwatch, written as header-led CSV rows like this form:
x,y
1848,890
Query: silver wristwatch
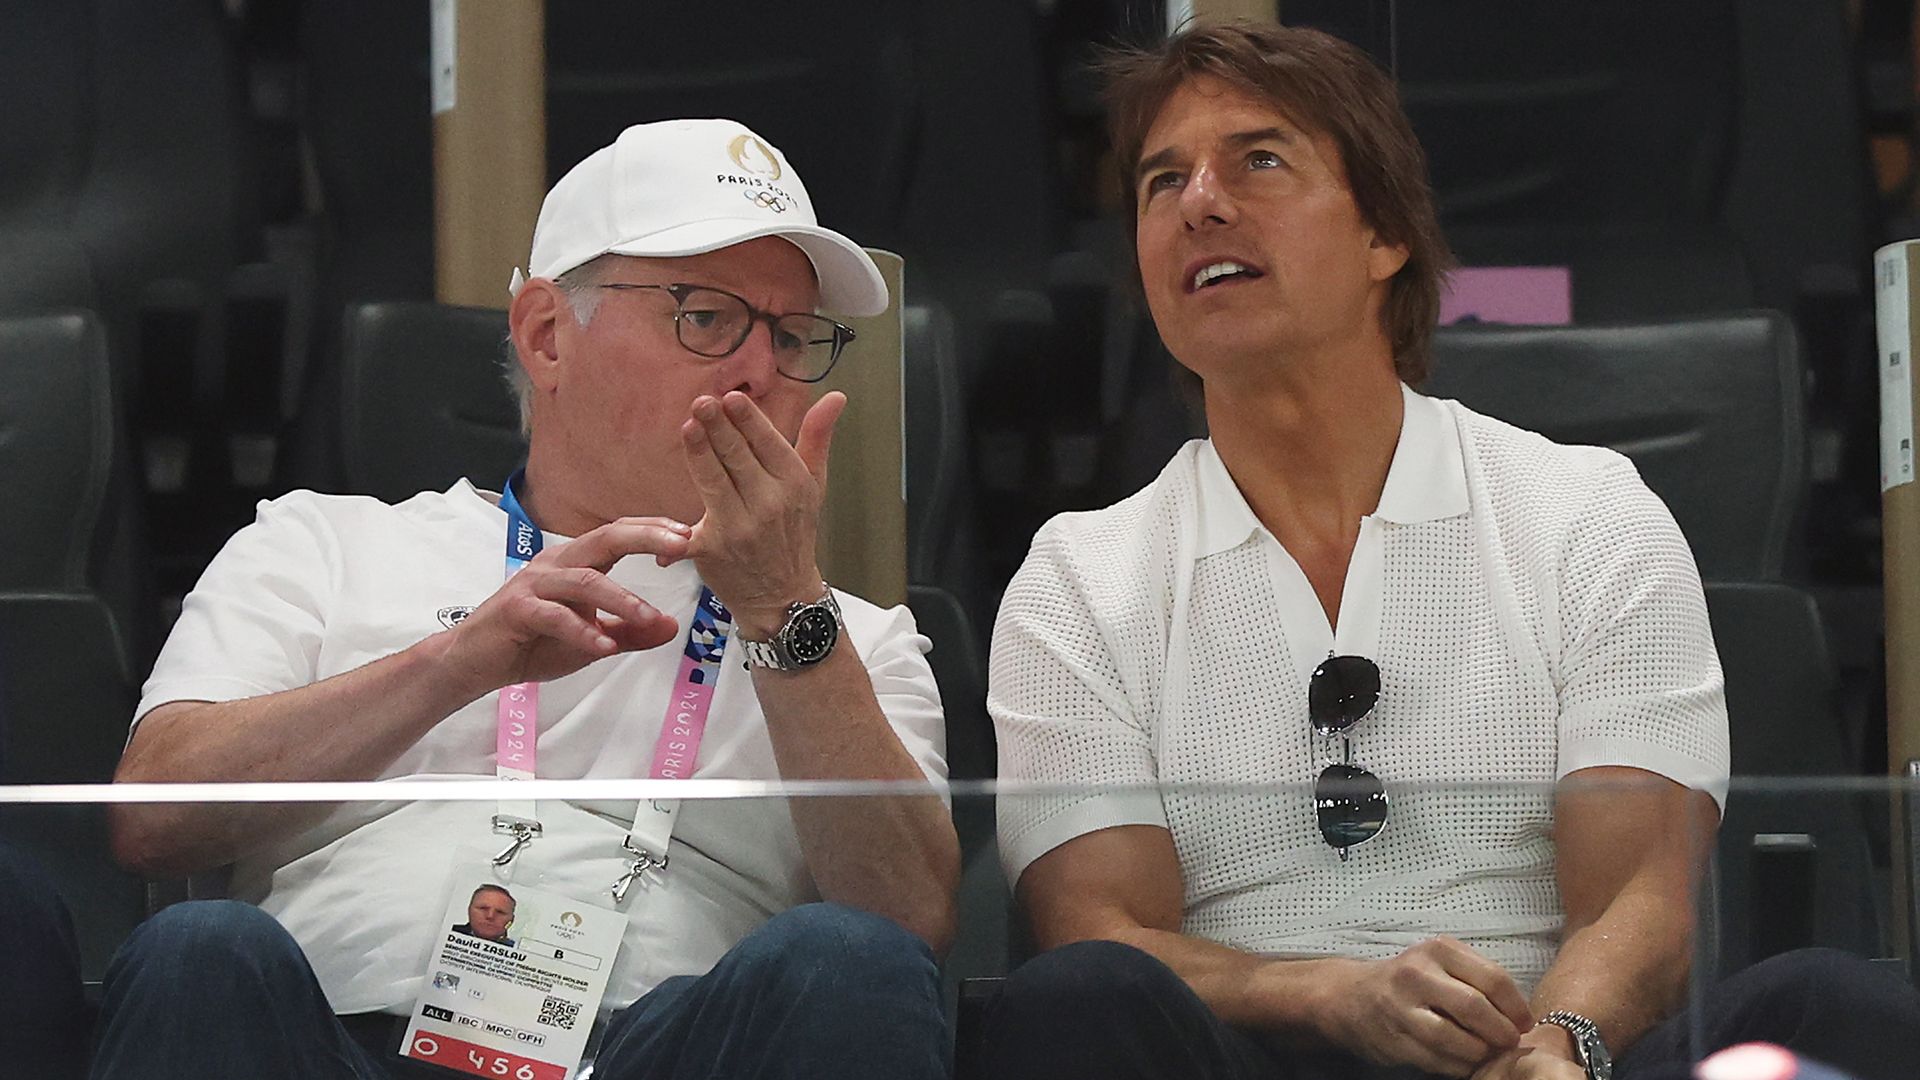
x,y
1588,1051
807,637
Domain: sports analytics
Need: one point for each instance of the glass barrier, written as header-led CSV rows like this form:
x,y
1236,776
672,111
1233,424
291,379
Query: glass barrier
x,y
390,886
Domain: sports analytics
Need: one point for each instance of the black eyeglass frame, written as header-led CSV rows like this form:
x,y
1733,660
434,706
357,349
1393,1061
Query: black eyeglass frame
x,y
842,333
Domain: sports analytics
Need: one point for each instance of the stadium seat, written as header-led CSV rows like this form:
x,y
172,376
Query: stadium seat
x,y
835,87
1612,112
131,150
72,609
56,447
423,400
1800,191
52,272
66,698
1794,863
1801,199
1708,408
369,121
938,491
983,942
961,670
62,449
942,538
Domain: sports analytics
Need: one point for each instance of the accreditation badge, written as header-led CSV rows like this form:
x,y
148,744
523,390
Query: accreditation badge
x,y
515,980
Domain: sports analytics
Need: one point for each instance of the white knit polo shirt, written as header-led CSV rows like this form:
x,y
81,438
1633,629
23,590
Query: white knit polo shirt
x,y
1533,611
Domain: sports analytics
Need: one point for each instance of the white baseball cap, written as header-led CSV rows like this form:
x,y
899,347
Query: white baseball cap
x,y
685,187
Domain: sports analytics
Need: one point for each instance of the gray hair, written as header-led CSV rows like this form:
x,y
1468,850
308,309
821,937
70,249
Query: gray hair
x,y
580,285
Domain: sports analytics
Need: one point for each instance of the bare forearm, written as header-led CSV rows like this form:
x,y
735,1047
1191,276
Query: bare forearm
x,y
349,727
893,855
1626,971
1263,993
1630,847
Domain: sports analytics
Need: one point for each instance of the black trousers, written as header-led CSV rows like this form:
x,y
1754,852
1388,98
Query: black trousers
x,y
44,1020
1099,1010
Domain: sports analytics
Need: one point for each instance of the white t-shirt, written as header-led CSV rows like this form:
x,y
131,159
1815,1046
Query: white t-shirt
x,y
1532,608
319,585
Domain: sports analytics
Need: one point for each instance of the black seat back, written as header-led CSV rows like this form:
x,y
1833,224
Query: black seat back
x,y
56,447
835,86
1794,863
1709,408
1599,112
66,697
423,399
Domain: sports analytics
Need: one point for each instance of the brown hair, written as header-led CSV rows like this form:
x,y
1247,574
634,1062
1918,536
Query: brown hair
x,y
1334,89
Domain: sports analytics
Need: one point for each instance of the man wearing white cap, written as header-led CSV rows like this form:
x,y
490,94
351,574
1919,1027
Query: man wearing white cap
x,y
666,337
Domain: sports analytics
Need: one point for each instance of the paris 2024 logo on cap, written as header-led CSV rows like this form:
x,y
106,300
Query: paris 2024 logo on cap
x,y
759,170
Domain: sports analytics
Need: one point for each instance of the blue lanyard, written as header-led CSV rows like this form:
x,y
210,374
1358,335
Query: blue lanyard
x,y
523,536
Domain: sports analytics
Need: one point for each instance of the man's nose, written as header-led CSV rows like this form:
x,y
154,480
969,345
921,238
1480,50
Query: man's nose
x,y
1205,201
753,367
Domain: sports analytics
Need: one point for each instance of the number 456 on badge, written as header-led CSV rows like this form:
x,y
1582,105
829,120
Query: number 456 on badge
x,y
468,1058
498,1065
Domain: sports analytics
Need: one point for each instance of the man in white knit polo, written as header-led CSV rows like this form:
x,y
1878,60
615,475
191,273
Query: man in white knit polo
x,y
1487,656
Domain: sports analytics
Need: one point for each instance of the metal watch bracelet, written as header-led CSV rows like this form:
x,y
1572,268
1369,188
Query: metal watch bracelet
x,y
807,636
1589,1052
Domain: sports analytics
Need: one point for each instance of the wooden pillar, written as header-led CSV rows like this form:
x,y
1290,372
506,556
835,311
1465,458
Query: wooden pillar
x,y
863,527
1896,274
489,143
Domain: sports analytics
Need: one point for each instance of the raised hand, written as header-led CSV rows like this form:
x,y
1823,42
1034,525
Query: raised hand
x,y
756,544
561,612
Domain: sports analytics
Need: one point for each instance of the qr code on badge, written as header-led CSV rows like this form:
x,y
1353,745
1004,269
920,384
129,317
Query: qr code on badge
x,y
557,1013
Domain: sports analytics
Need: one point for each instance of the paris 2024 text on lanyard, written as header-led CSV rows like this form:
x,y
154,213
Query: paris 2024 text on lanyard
x,y
674,752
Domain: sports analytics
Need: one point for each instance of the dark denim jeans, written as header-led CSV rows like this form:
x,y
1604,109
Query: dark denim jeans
x,y
43,1018
217,989
1099,1010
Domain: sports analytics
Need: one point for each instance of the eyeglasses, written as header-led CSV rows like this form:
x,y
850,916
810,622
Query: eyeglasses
x,y
714,323
1349,801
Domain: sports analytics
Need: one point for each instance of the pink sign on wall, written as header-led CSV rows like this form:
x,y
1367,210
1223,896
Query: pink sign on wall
x,y
1520,295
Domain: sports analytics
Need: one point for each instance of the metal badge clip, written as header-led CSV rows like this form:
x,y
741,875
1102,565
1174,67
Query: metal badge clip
x,y
523,831
641,863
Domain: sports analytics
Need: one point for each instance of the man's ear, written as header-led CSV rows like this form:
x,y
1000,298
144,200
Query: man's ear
x,y
1383,259
533,322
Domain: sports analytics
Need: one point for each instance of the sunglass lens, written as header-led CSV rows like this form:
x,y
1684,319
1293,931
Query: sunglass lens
x,y
1342,691
1351,804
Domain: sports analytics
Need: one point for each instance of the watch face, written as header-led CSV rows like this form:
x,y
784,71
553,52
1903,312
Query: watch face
x,y
812,634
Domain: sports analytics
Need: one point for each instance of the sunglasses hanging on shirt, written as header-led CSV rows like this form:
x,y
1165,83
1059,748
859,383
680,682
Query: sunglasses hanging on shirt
x,y
1349,802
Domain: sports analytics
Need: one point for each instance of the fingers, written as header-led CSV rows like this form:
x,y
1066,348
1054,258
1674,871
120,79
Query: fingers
x,y
1448,1023
816,434
721,426
608,544
634,636
769,448
1490,979
1499,1068
1442,1046
710,478
1530,1065
566,626
586,590
1469,1007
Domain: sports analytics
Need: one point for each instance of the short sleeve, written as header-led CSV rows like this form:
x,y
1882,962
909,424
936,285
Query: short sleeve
x,y
254,622
895,654
1060,710
1640,681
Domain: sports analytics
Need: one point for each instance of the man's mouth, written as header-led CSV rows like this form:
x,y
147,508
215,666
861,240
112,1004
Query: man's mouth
x,y
1224,270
